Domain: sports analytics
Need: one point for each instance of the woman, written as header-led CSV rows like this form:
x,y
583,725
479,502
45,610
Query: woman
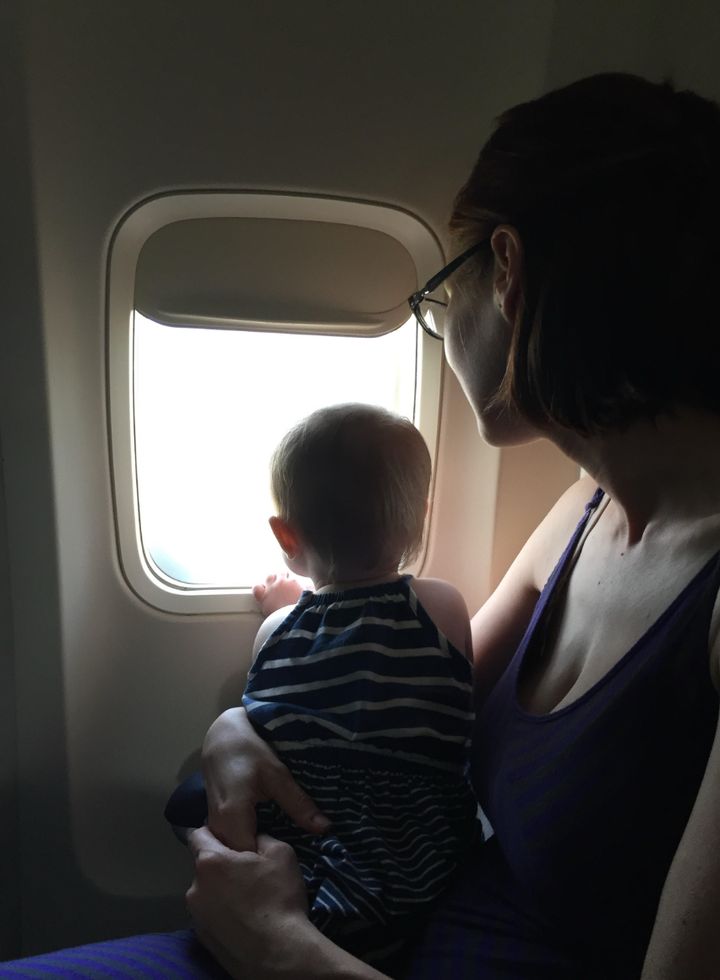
x,y
583,310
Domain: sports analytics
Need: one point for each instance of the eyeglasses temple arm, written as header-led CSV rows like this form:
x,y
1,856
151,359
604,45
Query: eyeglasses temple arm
x,y
432,284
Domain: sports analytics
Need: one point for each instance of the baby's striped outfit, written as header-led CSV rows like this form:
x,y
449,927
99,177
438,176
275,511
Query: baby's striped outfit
x,y
370,707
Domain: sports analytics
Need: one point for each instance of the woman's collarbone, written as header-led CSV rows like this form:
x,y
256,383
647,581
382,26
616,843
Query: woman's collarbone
x,y
607,609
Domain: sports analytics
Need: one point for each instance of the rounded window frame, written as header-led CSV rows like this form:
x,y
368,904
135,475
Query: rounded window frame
x,y
132,231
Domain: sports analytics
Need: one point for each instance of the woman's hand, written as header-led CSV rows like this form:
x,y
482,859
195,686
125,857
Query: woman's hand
x,y
241,770
250,912
247,906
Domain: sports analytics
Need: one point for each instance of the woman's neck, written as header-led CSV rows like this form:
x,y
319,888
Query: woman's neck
x,y
655,472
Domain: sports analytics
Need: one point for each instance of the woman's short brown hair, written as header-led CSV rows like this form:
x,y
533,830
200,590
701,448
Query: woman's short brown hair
x,y
354,479
614,185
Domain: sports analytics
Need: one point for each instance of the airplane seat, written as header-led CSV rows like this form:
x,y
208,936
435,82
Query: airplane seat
x,y
172,955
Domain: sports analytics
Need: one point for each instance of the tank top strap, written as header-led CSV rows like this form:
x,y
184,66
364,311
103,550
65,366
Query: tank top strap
x,y
564,562
714,573
590,508
703,589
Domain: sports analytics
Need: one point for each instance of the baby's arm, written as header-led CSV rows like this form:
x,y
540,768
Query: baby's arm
x,y
276,597
447,609
268,627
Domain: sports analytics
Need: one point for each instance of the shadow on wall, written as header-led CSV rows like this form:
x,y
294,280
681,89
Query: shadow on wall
x,y
530,481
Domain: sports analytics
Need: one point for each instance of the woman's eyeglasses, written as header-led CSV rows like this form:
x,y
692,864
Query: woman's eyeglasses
x,y
424,306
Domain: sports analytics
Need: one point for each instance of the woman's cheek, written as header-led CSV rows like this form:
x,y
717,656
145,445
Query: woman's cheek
x,y
460,340
477,348
474,354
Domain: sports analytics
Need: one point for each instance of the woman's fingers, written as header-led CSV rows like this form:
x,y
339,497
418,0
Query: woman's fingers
x,y
234,822
233,819
243,904
202,842
280,786
278,853
202,839
250,911
241,770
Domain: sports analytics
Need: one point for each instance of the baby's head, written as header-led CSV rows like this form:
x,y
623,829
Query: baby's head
x,y
351,483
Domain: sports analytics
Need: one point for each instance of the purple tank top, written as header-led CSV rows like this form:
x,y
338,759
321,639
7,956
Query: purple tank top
x,y
588,804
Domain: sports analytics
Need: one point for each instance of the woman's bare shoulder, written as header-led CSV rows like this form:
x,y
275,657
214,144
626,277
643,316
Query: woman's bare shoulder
x,y
547,542
499,625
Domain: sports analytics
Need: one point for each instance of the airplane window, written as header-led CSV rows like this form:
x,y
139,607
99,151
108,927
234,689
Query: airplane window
x,y
212,357
210,405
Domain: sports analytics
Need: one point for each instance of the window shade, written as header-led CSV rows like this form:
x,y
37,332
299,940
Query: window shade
x,y
274,273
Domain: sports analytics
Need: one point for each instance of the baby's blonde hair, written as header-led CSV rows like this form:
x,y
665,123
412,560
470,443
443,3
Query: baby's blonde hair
x,y
353,480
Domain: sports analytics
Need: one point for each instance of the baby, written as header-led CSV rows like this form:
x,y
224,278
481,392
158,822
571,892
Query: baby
x,y
363,688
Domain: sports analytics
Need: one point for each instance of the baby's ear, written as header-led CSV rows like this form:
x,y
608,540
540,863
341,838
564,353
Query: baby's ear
x,y
285,536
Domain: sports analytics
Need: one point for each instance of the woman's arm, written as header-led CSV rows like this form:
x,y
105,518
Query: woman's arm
x,y
685,942
499,625
250,911
241,770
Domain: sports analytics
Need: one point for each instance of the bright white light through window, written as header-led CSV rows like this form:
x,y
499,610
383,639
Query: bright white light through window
x,y
210,407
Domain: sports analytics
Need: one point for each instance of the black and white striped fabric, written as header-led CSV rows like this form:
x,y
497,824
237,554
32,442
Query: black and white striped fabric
x,y
370,707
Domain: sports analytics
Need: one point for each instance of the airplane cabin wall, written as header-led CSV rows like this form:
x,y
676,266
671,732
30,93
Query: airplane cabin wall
x,y
123,103
9,864
387,102
29,621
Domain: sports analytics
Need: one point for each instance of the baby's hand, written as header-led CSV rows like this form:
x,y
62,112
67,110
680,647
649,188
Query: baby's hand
x,y
278,591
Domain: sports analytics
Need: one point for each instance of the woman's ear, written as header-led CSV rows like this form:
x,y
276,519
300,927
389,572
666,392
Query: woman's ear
x,y
285,536
508,273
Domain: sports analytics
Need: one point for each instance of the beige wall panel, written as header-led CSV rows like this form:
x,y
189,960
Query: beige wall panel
x,y
530,479
463,515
